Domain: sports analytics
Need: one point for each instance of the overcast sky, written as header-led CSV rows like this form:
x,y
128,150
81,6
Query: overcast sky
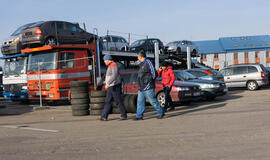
x,y
165,19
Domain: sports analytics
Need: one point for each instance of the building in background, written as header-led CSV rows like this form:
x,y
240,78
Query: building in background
x,y
234,50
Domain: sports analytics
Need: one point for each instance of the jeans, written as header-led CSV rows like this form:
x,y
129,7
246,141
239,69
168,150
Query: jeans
x,y
113,93
150,95
168,98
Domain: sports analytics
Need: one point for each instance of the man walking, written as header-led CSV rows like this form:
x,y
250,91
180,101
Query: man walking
x,y
113,86
146,80
168,78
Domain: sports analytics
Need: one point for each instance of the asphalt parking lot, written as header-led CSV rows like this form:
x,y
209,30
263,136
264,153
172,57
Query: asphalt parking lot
x,y
235,126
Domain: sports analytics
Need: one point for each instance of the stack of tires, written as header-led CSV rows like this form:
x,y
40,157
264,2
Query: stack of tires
x,y
130,102
97,101
79,98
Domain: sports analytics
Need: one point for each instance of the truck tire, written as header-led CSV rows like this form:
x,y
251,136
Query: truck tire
x,y
98,93
80,101
126,102
79,90
80,112
79,84
115,110
132,103
80,107
97,100
98,106
79,95
95,112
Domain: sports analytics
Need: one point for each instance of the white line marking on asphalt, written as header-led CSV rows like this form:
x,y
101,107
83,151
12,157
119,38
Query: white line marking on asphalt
x,y
30,128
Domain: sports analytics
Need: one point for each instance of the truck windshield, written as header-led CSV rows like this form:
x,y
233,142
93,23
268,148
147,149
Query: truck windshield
x,y
42,61
15,66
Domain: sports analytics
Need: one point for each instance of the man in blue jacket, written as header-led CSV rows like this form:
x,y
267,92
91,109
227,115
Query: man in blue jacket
x,y
146,80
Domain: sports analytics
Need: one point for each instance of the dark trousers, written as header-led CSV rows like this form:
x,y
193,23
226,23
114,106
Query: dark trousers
x,y
168,98
114,93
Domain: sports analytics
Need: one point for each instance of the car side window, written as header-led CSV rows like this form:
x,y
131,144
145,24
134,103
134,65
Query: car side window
x,y
239,70
71,27
60,25
226,72
122,40
107,38
66,60
115,39
252,69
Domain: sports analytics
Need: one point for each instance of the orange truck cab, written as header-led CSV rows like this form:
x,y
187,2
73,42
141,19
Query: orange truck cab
x,y
54,67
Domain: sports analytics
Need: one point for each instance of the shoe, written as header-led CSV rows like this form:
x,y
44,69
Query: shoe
x,y
103,119
123,118
171,109
137,119
161,116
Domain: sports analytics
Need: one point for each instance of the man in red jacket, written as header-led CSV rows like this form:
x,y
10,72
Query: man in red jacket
x,y
168,78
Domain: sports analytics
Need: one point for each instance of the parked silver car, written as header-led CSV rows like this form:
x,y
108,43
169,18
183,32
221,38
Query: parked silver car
x,y
114,43
178,47
252,76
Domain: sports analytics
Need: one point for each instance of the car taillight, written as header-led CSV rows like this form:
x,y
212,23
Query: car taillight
x,y
38,31
262,74
208,72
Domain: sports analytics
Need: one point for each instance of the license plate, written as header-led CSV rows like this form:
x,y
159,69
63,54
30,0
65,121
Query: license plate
x,y
225,90
12,95
197,94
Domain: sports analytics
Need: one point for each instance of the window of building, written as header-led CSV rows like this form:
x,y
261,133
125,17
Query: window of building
x,y
267,54
66,60
235,56
246,55
257,54
246,45
216,55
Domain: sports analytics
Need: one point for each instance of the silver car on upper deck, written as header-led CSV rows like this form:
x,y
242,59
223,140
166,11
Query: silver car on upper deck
x,y
180,47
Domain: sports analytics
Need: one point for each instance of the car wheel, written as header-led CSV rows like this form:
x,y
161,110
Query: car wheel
x,y
194,52
161,98
50,41
161,51
178,51
252,85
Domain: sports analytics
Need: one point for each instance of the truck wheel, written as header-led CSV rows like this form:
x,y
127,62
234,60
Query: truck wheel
x,y
79,101
116,110
252,85
80,112
97,106
98,93
80,107
132,103
126,102
79,84
161,98
97,100
79,95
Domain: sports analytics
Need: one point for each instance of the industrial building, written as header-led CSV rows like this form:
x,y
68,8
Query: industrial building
x,y
234,50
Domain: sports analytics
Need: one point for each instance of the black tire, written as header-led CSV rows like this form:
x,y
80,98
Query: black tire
x,y
80,112
194,52
178,51
79,84
95,112
132,105
252,85
98,106
98,93
161,99
80,107
211,98
50,41
79,95
80,101
126,102
79,90
97,100
116,110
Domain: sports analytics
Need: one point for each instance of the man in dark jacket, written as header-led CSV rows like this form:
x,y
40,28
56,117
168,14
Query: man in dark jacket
x,y
168,78
113,86
146,80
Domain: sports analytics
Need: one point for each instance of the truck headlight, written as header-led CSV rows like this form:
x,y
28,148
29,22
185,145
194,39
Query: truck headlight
x,y
50,95
24,87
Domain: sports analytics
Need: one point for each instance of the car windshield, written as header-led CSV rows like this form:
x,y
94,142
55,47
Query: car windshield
x,y
137,43
42,61
15,66
184,75
20,29
173,43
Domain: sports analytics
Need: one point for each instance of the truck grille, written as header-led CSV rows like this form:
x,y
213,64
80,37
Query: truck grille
x,y
13,87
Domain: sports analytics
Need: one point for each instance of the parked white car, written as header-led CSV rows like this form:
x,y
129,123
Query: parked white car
x,y
114,43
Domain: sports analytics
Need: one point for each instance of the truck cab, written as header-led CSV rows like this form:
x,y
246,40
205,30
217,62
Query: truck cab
x,y
54,67
15,78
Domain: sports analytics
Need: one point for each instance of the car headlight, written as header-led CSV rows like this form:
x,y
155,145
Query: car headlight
x,y
24,87
209,85
182,89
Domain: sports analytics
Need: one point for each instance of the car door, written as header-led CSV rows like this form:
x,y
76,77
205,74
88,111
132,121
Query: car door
x,y
239,77
227,73
253,73
62,34
133,85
